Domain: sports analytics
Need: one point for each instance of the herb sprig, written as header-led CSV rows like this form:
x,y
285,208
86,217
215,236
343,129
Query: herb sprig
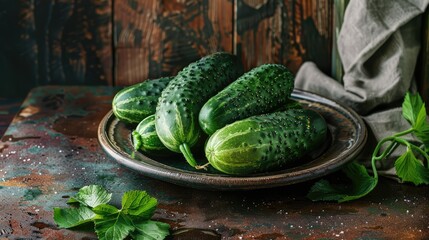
x,y
90,204
409,168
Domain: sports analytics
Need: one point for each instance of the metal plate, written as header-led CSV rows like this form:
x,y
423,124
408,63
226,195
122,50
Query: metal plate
x,y
347,137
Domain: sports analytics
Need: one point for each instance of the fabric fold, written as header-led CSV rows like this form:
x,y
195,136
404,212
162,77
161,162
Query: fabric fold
x,y
378,45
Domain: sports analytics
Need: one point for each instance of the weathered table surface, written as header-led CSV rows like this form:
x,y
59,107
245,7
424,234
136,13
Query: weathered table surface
x,y
50,150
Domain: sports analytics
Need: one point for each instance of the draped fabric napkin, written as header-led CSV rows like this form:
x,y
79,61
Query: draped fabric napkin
x,y
378,45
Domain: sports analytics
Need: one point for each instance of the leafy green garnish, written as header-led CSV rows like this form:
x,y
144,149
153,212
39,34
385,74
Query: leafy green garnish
x,y
138,203
132,220
362,184
72,217
115,226
150,230
408,167
412,109
91,196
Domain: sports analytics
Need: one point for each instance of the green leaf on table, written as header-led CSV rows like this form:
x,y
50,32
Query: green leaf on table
x,y
110,222
91,196
72,217
114,227
362,184
105,209
410,169
412,108
325,191
73,201
137,208
150,230
138,203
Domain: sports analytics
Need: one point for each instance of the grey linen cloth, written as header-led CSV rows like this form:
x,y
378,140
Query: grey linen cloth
x,y
378,44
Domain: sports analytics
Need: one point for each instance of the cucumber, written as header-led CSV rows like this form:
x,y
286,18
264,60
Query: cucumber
x,y
180,102
261,90
146,139
134,103
265,142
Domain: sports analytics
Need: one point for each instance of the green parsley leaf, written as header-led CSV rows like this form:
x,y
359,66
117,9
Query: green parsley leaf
x,y
410,169
91,196
114,227
73,201
72,217
150,230
362,184
110,222
138,203
105,209
325,191
411,108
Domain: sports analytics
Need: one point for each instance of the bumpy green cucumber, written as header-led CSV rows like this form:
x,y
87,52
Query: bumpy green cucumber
x,y
265,142
261,90
146,139
180,102
134,103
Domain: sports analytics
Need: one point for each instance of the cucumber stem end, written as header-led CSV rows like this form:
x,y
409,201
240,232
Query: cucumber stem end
x,y
199,167
186,151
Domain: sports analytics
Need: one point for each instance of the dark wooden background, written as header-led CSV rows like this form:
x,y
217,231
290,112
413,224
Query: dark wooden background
x,y
115,42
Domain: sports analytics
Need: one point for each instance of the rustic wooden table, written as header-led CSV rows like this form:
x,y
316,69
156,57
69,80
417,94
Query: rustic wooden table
x,y
50,150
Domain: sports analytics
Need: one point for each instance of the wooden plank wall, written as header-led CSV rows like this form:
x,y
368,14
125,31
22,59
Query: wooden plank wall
x,y
287,32
54,42
155,38
114,42
158,38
